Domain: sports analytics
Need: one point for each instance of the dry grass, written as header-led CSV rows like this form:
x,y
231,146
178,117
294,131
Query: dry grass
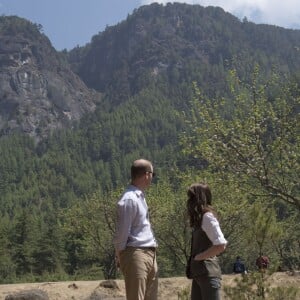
x,y
168,287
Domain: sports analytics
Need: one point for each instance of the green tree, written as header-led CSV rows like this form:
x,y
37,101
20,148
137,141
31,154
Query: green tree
x,y
23,242
49,255
91,224
251,287
264,227
168,217
7,267
254,136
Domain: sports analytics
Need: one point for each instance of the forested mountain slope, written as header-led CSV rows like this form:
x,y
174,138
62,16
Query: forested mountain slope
x,y
179,43
129,92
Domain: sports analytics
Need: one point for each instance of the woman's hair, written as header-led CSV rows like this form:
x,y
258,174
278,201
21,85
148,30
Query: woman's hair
x,y
198,203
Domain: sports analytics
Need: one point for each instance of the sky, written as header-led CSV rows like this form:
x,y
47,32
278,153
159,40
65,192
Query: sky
x,y
71,23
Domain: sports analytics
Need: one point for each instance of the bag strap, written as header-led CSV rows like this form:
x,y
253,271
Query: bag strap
x,y
191,245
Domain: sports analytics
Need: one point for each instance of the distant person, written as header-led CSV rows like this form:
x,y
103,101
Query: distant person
x,y
134,241
239,266
262,262
207,242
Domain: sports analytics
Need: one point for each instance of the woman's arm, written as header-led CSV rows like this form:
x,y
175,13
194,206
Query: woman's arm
x,y
210,252
212,228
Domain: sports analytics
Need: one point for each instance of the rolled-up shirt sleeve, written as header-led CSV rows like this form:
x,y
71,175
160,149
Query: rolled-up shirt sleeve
x,y
212,228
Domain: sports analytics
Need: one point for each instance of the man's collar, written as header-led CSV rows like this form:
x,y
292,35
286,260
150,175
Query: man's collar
x,y
136,190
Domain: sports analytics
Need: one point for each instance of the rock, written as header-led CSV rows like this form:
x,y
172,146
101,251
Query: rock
x,y
296,273
110,284
28,295
39,93
73,286
96,295
111,293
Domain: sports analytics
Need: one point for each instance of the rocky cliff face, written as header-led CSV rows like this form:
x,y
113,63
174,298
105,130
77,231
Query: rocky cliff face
x,y
38,91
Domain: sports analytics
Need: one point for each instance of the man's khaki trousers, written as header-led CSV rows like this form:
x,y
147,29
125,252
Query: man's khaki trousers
x,y
139,268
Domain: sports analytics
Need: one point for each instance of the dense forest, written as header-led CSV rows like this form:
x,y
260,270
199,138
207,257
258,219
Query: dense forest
x,y
180,85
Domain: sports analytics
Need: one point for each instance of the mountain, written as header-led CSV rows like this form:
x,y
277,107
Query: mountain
x,y
145,67
157,48
127,86
180,43
129,92
38,90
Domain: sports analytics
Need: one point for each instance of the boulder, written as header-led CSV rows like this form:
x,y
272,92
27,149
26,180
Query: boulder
x,y
34,294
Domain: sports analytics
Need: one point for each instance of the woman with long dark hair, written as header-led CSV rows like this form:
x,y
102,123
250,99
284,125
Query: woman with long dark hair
x,y
207,242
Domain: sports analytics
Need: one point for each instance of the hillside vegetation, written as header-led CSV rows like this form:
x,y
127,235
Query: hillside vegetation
x,y
177,84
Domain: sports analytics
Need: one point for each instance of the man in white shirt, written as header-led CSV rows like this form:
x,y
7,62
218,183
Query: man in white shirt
x,y
134,241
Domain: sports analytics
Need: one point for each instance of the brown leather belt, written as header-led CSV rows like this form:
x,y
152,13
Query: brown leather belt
x,y
153,249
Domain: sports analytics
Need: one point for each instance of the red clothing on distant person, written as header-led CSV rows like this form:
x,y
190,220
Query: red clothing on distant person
x,y
262,262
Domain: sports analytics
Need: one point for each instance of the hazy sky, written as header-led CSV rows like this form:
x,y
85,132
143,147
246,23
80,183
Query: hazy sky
x,y
69,23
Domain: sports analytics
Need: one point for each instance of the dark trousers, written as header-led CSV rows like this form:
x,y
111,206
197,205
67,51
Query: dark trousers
x,y
206,288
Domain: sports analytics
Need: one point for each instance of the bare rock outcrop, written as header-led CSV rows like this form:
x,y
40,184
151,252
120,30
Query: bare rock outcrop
x,y
38,90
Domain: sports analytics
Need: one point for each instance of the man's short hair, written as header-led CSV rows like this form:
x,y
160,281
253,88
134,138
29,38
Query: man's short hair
x,y
140,167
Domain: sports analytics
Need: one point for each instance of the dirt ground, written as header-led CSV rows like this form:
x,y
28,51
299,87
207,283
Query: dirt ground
x,y
84,290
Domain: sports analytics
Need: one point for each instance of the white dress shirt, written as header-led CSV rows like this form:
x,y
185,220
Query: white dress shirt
x,y
133,227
